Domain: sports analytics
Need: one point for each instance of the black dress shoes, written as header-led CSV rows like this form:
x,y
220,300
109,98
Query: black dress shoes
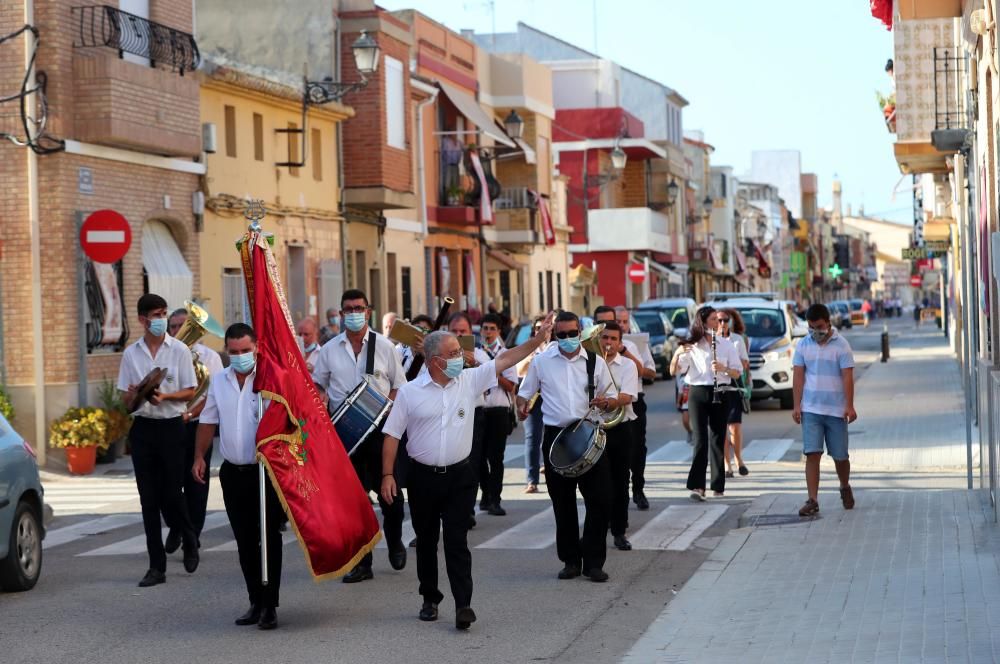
x,y
496,510
251,617
153,577
413,543
268,618
569,572
191,558
622,544
640,501
429,612
173,541
359,574
397,555
597,575
464,617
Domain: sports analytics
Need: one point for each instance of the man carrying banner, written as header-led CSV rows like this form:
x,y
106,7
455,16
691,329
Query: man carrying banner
x,y
436,412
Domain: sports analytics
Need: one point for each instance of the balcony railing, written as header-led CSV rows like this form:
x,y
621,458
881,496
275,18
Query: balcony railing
x,y
101,25
513,198
949,105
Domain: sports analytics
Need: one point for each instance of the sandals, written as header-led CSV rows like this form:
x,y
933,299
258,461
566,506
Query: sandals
x,y
744,471
730,475
847,497
811,508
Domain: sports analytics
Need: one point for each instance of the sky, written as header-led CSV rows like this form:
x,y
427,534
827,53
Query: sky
x,y
760,75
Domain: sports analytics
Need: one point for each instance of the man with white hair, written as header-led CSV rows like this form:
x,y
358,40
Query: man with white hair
x,y
387,321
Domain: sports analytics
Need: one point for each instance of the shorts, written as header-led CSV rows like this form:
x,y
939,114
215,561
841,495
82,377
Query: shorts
x,y
735,414
683,393
817,428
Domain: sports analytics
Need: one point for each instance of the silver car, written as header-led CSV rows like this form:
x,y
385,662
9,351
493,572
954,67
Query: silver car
x,y
21,525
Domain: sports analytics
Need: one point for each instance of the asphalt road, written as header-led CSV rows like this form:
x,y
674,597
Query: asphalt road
x,y
87,608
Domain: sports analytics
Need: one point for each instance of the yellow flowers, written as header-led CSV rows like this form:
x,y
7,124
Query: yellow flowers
x,y
88,427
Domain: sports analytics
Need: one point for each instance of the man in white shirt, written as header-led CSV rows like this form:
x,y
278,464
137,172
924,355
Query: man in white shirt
x,y
235,408
563,375
435,410
341,365
157,433
496,419
195,493
308,332
620,438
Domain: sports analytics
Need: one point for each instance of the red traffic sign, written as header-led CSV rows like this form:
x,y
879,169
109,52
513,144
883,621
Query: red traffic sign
x,y
105,236
916,281
637,273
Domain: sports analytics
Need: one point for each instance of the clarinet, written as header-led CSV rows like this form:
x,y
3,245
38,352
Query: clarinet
x,y
715,375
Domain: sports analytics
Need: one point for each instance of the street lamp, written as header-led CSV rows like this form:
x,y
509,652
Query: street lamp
x,y
366,56
618,158
672,190
514,125
366,52
707,204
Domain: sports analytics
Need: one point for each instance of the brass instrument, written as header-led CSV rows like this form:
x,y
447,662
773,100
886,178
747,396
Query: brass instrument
x,y
591,342
199,323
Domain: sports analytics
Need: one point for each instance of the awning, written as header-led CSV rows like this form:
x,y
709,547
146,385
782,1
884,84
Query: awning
x,y
761,259
741,261
471,109
671,276
166,270
504,258
529,154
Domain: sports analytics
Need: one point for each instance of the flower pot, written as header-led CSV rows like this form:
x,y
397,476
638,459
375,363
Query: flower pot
x,y
81,460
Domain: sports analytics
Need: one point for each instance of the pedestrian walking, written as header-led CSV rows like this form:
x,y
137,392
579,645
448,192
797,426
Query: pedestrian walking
x,y
731,327
498,419
534,428
823,389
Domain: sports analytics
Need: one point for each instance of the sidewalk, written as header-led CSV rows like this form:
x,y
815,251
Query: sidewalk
x,y
912,574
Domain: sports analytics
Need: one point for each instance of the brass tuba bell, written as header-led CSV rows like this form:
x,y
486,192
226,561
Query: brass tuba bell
x,y
590,339
198,323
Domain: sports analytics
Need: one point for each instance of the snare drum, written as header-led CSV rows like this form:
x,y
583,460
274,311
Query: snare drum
x,y
577,448
360,414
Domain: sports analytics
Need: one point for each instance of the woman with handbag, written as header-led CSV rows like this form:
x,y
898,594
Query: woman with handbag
x,y
731,327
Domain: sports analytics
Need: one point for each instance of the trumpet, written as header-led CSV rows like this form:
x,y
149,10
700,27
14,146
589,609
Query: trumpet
x,y
715,375
591,342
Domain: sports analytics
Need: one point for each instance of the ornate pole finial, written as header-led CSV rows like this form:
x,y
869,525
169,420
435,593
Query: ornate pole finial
x,y
254,212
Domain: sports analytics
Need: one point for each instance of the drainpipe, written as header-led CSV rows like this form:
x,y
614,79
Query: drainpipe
x,y
38,347
339,128
421,183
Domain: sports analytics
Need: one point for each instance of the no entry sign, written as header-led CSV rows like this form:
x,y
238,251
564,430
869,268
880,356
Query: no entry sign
x,y
105,236
636,273
916,281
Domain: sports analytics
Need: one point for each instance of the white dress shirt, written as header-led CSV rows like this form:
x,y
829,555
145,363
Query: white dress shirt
x,y
173,356
481,358
236,411
645,357
563,384
438,419
208,357
741,346
698,362
627,377
497,397
338,370
310,357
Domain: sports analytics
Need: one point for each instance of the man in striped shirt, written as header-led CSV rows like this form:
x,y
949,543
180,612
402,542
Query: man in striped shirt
x,y
823,389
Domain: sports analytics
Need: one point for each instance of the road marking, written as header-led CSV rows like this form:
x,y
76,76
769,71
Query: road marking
x,y
766,450
676,527
67,534
286,539
536,532
137,544
675,451
81,496
408,534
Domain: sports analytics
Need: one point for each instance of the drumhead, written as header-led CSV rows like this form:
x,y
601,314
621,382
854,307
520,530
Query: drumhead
x,y
572,445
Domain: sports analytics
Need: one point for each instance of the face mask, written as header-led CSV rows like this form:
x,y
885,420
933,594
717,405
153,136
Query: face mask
x,y
310,348
569,345
354,322
334,320
158,326
242,363
453,367
819,335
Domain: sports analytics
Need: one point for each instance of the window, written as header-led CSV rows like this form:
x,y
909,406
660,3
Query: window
x,y
548,288
293,149
406,288
235,308
559,290
359,272
230,122
258,137
317,154
541,291
296,292
390,266
395,104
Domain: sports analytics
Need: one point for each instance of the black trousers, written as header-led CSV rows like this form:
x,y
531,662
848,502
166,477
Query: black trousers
x,y
195,493
708,422
638,462
367,461
158,460
241,493
619,452
496,422
595,485
442,501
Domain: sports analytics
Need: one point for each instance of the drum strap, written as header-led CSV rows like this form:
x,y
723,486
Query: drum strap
x,y
370,364
591,365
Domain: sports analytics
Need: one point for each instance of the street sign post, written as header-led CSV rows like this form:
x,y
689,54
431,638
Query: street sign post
x,y
105,236
636,273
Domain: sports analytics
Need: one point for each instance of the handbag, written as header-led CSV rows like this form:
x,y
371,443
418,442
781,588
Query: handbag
x,y
745,395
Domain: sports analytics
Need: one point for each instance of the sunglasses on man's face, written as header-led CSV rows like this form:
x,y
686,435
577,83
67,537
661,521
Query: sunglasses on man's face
x,y
724,321
568,334
355,310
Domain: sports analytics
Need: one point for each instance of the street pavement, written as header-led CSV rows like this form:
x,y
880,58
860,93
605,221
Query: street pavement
x,y
86,606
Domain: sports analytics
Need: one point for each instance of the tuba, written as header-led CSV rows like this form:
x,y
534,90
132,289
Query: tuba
x,y
199,323
590,339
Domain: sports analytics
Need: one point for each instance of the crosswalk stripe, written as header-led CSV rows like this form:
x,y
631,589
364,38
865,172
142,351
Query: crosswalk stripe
x,y
230,545
675,451
408,534
766,450
700,525
536,532
664,528
67,534
137,544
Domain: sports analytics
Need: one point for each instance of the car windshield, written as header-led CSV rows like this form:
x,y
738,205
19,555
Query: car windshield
x,y
763,322
678,317
651,324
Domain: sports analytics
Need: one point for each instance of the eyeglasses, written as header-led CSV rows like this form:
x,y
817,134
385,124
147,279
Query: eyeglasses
x,y
724,321
569,334
489,328
355,310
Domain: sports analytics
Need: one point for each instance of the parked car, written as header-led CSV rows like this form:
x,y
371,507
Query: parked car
x,y
773,334
857,316
840,314
662,342
21,525
679,312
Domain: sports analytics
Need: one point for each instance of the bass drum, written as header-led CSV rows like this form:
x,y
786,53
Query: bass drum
x,y
577,448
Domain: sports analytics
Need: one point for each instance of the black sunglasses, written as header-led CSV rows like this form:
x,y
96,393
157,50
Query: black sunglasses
x,y
571,334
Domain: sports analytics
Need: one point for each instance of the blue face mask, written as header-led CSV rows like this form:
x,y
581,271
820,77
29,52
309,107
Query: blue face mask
x,y
334,320
354,322
157,326
453,367
311,347
242,363
570,344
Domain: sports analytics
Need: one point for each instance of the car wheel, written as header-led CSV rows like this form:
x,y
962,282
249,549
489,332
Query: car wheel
x,y
21,568
786,399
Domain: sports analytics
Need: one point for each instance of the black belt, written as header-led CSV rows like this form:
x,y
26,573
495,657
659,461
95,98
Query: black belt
x,y
242,467
157,419
440,470
504,408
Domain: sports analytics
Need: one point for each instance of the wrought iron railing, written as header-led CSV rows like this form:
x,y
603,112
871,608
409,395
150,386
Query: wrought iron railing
x,y
949,98
101,25
512,198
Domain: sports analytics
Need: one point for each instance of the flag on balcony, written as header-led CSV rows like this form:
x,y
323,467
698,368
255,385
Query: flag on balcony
x,y
548,232
485,204
882,10
308,466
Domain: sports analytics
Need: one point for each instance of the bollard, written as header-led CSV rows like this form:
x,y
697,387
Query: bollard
x,y
885,343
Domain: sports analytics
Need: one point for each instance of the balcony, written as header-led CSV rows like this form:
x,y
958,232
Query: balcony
x,y
629,229
110,27
516,217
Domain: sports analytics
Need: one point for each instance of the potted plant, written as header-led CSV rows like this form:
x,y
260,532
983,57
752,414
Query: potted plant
x,y
888,105
455,195
6,407
81,432
119,421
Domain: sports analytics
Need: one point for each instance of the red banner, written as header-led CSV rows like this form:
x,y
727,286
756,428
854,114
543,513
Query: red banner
x,y
485,204
311,473
548,232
